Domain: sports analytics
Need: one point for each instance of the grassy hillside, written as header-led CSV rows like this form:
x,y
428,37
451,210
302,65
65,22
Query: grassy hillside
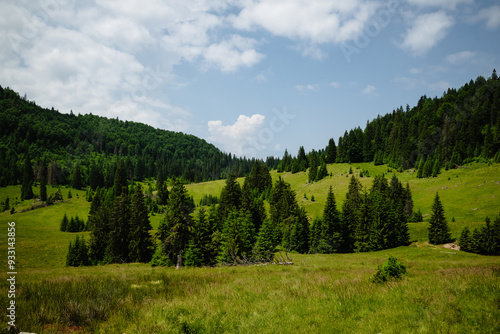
x,y
468,194
444,291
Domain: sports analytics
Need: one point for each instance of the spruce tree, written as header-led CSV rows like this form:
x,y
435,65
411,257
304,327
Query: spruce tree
x,y
331,151
119,235
264,246
230,198
439,232
331,231
64,223
26,188
299,234
141,242
175,228
465,240
350,214
43,182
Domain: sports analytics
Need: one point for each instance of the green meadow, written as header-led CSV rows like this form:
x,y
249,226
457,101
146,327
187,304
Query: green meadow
x,y
445,291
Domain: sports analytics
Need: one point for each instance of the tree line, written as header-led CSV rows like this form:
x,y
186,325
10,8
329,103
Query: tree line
x,y
239,226
82,150
444,132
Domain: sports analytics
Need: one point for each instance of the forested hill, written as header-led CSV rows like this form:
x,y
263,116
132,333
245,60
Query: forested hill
x,y
461,125
63,141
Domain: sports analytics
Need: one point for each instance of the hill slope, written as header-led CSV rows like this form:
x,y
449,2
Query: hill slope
x,y
65,139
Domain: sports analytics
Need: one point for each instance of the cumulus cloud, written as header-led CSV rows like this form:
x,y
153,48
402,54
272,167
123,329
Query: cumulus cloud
x,y
490,15
233,53
113,57
314,22
237,137
426,31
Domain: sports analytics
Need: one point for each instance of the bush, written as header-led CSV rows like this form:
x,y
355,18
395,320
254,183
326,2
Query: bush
x,y
391,268
160,259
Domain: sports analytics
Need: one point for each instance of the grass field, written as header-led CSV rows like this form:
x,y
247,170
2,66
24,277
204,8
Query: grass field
x,y
445,291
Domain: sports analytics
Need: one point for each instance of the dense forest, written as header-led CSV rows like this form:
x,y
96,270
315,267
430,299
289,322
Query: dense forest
x,y
438,132
92,145
240,228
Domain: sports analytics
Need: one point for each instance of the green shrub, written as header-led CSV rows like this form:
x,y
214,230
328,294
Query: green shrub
x,y
391,268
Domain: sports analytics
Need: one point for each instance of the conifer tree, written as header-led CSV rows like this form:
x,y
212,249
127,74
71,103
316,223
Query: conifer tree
x,y
439,232
26,190
43,182
119,235
331,151
265,245
230,198
299,234
313,166
64,223
141,242
331,230
350,214
465,240
99,223
175,229
237,237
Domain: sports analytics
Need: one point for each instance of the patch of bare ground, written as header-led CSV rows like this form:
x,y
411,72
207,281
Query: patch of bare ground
x,y
452,246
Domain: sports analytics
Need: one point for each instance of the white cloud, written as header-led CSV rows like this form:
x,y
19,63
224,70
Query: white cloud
x,y
449,4
112,58
370,90
233,53
415,71
427,30
308,87
460,57
312,23
335,84
490,15
237,137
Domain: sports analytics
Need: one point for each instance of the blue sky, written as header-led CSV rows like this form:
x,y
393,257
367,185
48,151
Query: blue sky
x,y
251,77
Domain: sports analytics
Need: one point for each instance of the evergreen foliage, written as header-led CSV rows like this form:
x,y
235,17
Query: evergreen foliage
x,y
26,188
390,269
483,240
141,242
439,231
78,254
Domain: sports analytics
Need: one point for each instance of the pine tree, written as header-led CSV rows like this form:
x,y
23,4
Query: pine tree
x,y
230,198
299,234
119,235
141,242
64,224
175,229
465,240
236,238
26,188
331,151
265,245
162,193
331,231
351,216
439,232
100,226
43,182
313,166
